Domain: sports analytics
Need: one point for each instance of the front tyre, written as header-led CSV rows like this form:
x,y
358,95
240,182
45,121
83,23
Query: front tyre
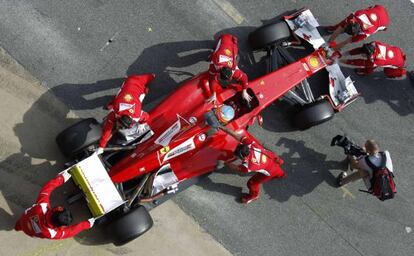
x,y
269,35
313,114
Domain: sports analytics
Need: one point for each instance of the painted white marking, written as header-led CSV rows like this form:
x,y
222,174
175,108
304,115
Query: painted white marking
x,y
347,193
109,41
409,229
230,11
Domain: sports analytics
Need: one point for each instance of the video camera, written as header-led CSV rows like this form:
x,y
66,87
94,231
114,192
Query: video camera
x,y
349,147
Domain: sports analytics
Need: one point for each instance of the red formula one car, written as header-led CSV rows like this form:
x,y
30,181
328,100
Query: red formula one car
x,y
182,148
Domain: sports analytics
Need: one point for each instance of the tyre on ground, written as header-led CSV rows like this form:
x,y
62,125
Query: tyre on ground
x,y
129,225
79,136
313,114
269,35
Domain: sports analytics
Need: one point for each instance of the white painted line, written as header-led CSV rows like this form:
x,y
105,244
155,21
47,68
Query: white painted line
x,y
230,11
409,229
347,193
112,39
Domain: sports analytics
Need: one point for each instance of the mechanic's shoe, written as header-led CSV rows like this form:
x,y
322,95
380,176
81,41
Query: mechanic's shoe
x,y
330,29
360,72
410,75
247,198
220,164
339,179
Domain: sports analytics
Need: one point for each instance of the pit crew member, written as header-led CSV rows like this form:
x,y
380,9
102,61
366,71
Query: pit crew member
x,y
378,54
126,115
360,25
223,69
43,221
255,158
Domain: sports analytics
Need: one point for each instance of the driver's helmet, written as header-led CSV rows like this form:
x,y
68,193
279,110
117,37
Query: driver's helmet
x,y
125,122
368,49
224,113
61,217
353,29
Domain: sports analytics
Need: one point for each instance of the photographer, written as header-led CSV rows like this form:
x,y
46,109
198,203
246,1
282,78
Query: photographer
x,y
362,165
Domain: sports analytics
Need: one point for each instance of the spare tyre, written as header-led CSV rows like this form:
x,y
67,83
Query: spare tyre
x,y
313,114
79,136
130,225
269,34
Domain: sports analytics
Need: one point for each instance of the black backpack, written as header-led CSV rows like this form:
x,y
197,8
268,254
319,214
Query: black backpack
x,y
382,181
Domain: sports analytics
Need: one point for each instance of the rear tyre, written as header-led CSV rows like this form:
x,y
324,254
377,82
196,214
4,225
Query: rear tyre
x,y
129,225
313,114
76,138
269,35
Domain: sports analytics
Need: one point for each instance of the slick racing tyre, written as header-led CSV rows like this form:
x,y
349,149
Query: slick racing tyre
x,y
129,225
269,34
79,136
313,114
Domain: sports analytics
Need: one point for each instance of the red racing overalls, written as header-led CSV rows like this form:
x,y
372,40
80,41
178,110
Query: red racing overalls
x,y
389,57
36,221
128,102
225,55
371,20
264,162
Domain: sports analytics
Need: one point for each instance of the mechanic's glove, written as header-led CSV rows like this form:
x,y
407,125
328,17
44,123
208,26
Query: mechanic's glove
x,y
91,221
246,95
142,128
99,151
213,98
66,175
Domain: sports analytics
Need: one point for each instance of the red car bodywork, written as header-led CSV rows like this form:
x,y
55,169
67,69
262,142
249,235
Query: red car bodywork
x,y
191,153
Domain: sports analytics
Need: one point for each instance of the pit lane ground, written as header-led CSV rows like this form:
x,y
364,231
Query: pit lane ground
x,y
81,50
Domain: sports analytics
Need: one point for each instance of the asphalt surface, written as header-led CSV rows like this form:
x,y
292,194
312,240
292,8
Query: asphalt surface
x,y
82,50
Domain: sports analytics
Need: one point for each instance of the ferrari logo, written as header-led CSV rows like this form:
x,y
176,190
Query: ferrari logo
x,y
264,159
390,54
164,150
373,17
128,97
262,82
131,110
366,26
314,62
254,160
230,63
227,52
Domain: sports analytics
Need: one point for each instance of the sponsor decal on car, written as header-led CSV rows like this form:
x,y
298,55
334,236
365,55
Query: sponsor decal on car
x,y
313,62
168,134
181,149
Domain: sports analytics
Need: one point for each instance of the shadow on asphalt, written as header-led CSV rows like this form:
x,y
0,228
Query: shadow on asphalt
x,y
24,173
398,94
305,168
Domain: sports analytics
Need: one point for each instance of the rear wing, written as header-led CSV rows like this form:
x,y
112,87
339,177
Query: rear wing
x,y
92,178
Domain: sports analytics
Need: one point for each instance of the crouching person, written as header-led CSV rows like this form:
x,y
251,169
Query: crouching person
x,y
126,116
376,170
43,221
255,158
